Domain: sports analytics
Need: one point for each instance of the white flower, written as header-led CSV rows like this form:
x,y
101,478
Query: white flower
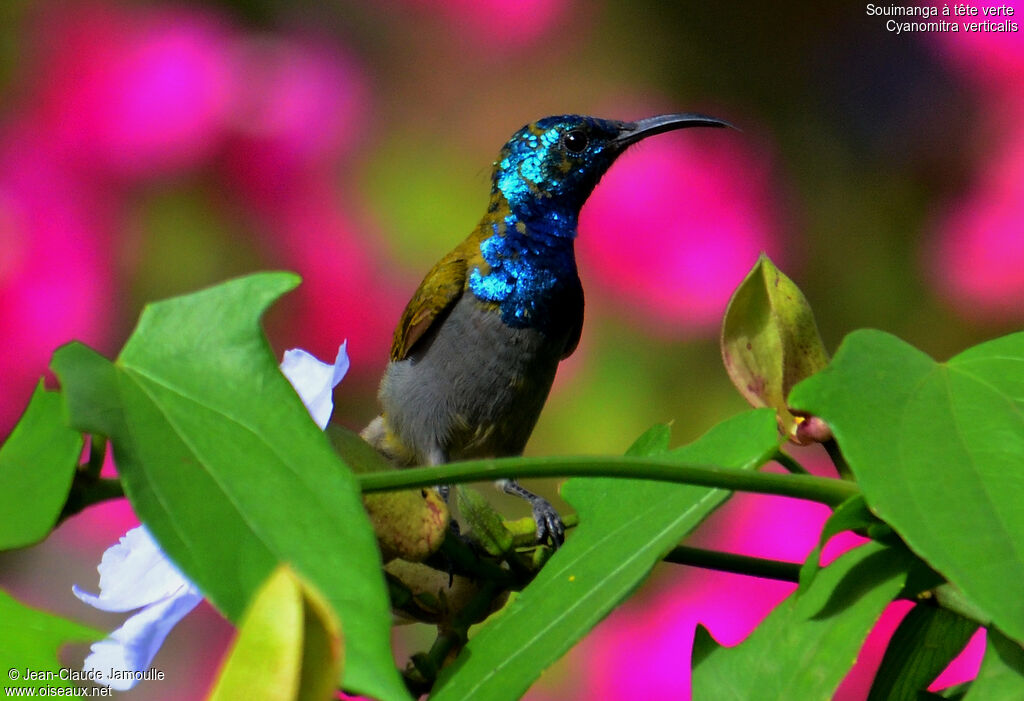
x,y
135,575
314,381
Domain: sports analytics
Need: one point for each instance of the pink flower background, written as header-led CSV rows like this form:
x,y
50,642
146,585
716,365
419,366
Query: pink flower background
x,y
147,149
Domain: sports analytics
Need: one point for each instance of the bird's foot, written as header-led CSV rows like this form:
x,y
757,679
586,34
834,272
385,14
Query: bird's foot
x,y
549,523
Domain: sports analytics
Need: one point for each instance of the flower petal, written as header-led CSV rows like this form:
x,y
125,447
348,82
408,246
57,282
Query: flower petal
x,y
130,649
134,573
314,380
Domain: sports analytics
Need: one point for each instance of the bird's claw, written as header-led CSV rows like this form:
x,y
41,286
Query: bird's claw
x,y
549,523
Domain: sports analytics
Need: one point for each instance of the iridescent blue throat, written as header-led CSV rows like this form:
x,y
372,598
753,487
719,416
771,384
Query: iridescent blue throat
x,y
528,268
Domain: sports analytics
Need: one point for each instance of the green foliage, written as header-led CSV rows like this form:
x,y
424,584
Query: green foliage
x,y
30,639
925,642
803,649
937,449
37,464
625,528
1001,677
220,460
850,515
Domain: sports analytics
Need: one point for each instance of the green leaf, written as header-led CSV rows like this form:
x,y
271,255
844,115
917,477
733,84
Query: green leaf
x,y
288,646
805,647
654,441
938,451
221,460
625,528
359,455
1001,677
769,339
926,641
30,640
851,514
37,464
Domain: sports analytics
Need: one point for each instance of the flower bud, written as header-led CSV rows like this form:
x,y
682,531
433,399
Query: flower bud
x,y
410,524
770,341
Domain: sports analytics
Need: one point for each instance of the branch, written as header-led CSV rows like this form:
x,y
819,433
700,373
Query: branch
x,y
739,564
812,488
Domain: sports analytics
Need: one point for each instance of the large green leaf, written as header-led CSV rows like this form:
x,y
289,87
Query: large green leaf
x,y
222,462
37,464
1001,677
938,450
851,514
625,528
30,640
805,647
926,641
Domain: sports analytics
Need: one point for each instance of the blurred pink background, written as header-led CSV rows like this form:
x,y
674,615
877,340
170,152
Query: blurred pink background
x,y
148,149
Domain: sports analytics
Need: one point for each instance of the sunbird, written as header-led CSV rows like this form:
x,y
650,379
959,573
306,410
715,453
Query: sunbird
x,y
476,349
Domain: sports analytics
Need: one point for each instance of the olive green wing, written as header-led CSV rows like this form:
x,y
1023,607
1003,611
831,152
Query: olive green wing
x,y
439,290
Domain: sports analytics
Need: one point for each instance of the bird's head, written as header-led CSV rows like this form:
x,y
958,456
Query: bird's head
x,y
549,167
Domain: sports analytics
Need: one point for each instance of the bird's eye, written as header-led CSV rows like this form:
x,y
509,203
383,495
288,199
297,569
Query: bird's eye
x,y
575,141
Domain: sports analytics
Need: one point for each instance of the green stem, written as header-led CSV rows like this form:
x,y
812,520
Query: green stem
x,y
86,492
788,462
97,454
820,489
836,455
452,638
456,557
730,562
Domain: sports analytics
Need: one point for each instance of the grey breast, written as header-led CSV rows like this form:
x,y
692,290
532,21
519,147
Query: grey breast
x,y
472,387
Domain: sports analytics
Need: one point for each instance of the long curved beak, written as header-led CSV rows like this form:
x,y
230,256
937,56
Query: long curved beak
x,y
631,132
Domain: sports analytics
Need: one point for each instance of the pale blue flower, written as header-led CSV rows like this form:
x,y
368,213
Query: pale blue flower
x,y
135,575
314,381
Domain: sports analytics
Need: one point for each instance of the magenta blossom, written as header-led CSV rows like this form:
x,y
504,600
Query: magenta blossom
x,y
978,258
136,91
55,280
992,58
346,286
976,253
674,227
303,105
501,25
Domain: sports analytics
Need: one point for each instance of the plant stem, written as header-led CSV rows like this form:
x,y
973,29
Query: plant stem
x,y
812,488
790,463
730,562
97,454
524,533
453,637
86,492
836,455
